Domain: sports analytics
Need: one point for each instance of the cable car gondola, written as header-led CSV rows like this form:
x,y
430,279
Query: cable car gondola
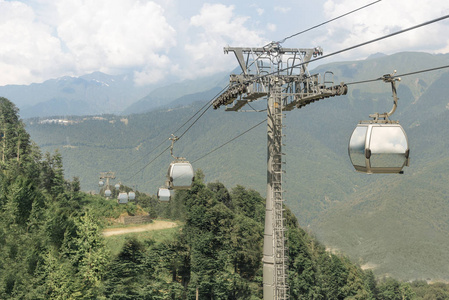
x,y
164,194
131,195
380,145
379,148
122,198
101,183
117,186
107,193
180,173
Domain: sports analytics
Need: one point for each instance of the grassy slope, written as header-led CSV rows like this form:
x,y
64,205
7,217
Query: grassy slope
x,y
115,242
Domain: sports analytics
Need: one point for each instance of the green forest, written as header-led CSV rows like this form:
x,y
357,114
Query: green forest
x,y
52,244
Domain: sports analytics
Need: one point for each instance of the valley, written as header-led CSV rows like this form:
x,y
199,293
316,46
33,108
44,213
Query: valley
x,y
393,213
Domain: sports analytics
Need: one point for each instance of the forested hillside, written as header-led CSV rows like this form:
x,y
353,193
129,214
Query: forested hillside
x,y
52,247
323,190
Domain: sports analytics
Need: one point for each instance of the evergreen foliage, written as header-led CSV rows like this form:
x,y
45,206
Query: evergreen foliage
x,y
52,245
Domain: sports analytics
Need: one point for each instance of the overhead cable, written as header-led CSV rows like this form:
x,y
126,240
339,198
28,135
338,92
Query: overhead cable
x,y
321,24
354,47
422,71
165,150
208,104
400,75
377,39
146,154
231,140
196,120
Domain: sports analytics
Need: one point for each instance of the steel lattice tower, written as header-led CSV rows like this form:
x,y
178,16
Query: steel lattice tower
x,y
279,75
275,255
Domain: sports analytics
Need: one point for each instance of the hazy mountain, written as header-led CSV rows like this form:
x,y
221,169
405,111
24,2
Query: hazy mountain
x,y
99,93
165,95
377,219
91,94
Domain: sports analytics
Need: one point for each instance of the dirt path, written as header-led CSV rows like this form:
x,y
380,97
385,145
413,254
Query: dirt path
x,y
156,225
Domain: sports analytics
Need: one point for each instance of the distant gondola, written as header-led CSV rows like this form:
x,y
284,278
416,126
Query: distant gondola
x,y
122,198
164,194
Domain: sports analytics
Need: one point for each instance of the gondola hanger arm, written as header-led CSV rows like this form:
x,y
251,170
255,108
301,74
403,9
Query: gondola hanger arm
x,y
173,139
392,79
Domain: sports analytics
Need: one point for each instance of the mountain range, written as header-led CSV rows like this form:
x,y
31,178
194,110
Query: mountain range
x,y
397,225
99,93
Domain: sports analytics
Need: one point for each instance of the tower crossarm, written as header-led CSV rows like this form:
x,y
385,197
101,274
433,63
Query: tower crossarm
x,y
289,65
246,56
107,175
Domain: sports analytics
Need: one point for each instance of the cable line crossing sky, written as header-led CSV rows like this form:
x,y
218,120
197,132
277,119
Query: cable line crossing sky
x,y
394,34
159,41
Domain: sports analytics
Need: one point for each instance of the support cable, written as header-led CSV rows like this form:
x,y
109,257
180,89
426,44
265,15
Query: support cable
x,y
422,71
213,150
365,43
145,155
151,161
351,48
208,105
400,75
321,24
231,140
196,120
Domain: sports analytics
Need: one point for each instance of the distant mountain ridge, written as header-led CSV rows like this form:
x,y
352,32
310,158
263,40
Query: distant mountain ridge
x,y
91,94
99,93
179,93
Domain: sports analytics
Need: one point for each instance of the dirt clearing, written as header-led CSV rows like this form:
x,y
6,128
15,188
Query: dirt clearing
x,y
156,225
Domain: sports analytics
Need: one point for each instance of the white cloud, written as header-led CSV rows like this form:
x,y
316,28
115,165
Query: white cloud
x,y
27,46
217,26
44,39
154,72
111,36
282,9
381,19
82,36
271,27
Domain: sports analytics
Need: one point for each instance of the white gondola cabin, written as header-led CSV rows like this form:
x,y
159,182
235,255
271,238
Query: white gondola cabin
x,y
122,198
164,194
180,175
379,148
107,193
131,195
100,183
117,186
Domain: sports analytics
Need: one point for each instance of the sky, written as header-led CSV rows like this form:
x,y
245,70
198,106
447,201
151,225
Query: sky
x,y
157,40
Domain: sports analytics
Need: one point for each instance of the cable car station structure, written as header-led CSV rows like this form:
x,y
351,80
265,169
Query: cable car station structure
x,y
279,75
123,197
107,176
